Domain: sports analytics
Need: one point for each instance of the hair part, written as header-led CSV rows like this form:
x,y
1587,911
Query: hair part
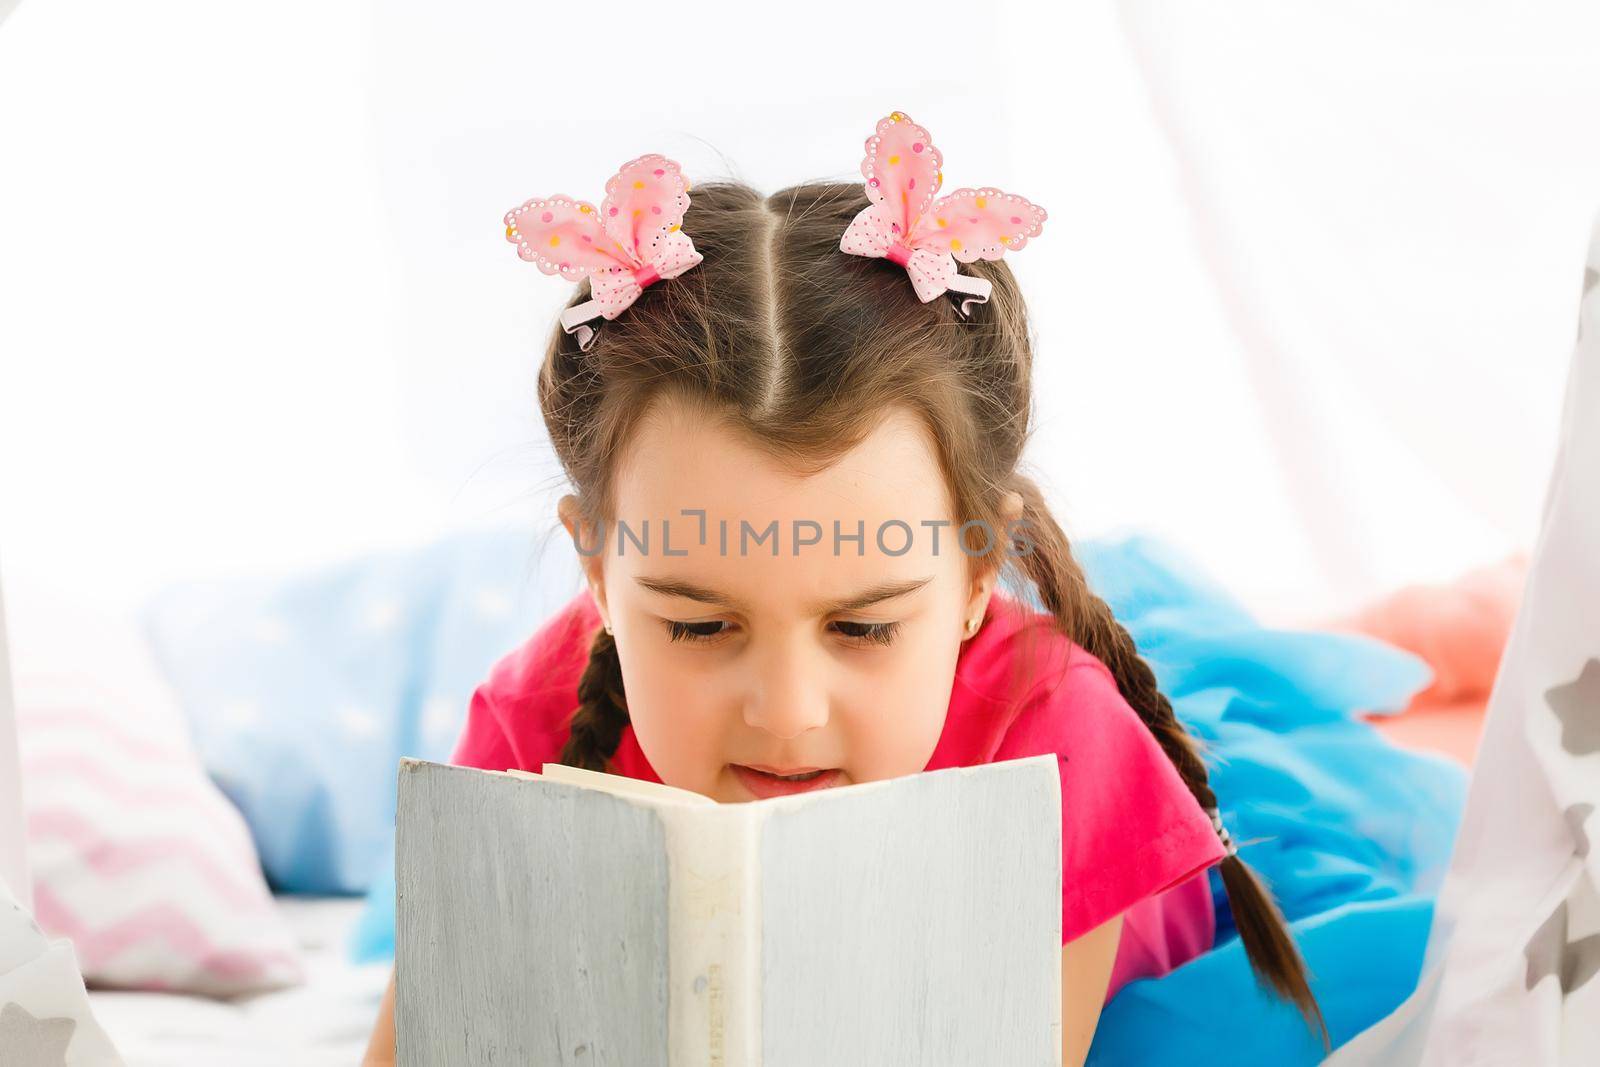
x,y
802,348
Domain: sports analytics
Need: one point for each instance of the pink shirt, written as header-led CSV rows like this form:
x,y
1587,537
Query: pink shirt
x,y
1134,840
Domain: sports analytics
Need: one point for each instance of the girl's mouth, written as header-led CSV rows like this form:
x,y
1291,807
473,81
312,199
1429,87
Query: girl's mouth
x,y
766,784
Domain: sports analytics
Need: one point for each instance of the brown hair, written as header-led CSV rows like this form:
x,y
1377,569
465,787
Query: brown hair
x,y
803,347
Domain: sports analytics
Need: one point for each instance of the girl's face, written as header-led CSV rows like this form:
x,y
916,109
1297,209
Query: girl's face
x,y
739,652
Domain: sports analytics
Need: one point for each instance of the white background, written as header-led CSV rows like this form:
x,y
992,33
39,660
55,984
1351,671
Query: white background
x,y
1303,301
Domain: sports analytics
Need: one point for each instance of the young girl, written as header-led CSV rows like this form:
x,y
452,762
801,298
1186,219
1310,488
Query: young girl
x,y
811,556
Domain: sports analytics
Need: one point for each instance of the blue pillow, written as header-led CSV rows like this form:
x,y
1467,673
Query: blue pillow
x,y
303,693
1352,834
372,938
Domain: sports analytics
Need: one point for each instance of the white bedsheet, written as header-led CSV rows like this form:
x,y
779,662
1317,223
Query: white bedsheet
x,y
323,1023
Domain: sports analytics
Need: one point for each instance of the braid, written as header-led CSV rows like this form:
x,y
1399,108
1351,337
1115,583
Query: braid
x,y
602,712
1089,621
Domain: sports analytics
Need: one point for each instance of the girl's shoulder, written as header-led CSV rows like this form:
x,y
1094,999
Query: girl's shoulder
x,y
1021,682
1131,828
1025,688
547,665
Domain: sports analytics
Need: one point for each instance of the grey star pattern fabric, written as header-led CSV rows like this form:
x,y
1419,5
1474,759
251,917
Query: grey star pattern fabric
x,y
29,1042
1576,816
1550,953
1591,278
1577,705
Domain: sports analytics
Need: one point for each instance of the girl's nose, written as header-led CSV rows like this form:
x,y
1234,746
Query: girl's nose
x,y
789,696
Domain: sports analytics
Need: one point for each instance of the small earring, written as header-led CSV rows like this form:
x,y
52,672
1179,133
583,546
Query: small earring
x,y
972,626
609,629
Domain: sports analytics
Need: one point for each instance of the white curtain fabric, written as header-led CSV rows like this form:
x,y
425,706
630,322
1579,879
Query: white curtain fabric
x,y
1299,302
1513,970
1389,201
12,869
13,854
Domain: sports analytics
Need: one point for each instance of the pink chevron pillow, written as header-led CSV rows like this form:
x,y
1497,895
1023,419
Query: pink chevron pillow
x,y
137,857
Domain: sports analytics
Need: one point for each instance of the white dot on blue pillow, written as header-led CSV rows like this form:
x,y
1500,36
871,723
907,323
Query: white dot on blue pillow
x,y
491,604
380,615
270,630
439,716
240,715
358,722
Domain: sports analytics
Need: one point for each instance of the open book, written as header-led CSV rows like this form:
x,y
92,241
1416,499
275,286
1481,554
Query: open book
x,y
587,919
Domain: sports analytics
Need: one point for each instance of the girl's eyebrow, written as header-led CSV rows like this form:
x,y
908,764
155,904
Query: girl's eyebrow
x,y
865,598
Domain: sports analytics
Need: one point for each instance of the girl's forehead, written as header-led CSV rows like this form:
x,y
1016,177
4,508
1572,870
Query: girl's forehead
x,y
682,463
698,502
809,585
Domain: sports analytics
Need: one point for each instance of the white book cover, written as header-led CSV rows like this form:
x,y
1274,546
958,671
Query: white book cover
x,y
579,918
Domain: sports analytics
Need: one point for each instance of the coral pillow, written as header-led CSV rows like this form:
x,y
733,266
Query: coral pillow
x,y
1460,629
137,858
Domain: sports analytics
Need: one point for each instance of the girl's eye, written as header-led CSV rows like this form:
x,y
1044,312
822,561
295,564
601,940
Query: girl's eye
x,y
688,631
877,633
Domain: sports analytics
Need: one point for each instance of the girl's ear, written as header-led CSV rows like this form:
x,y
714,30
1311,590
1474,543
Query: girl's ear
x,y
591,552
983,585
978,600
977,605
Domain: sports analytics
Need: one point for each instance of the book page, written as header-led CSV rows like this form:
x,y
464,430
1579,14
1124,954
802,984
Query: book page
x,y
623,785
916,923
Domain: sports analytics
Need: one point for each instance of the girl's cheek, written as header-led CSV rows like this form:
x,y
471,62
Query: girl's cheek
x,y
892,721
898,738
680,721
675,745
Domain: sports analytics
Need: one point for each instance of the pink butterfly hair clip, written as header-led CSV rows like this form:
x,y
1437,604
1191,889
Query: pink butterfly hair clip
x,y
906,225
631,241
